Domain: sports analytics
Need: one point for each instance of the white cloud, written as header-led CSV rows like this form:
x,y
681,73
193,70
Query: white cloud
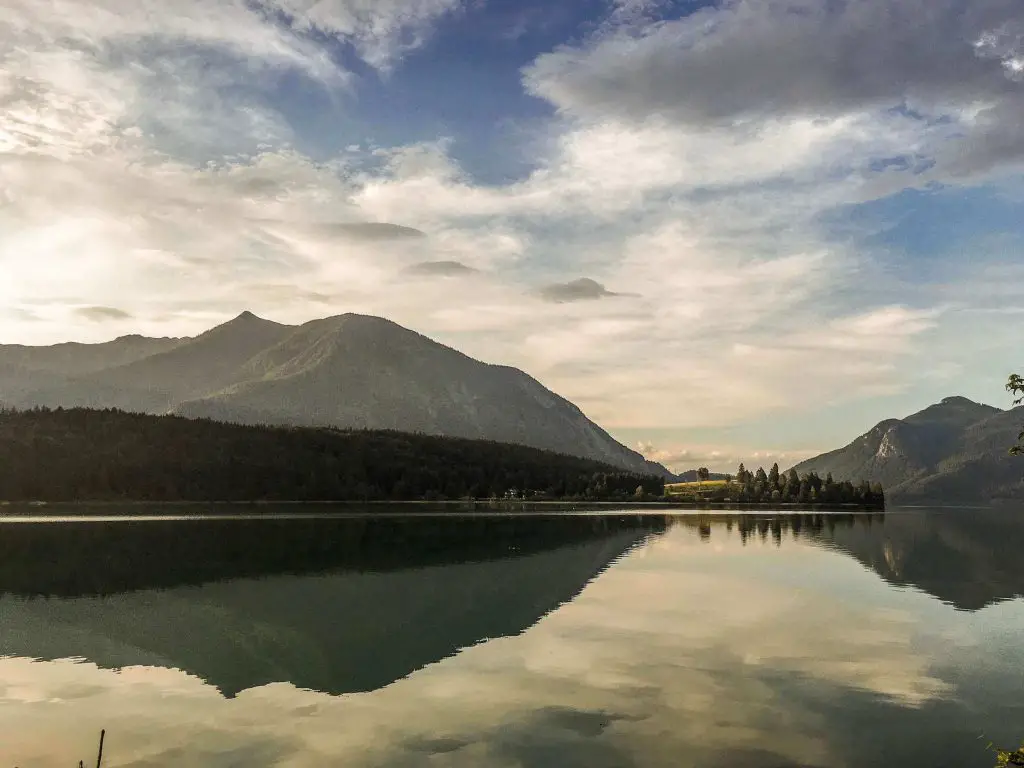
x,y
882,328
381,30
722,458
72,73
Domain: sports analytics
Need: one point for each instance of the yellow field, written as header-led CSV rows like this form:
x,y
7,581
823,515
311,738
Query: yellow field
x,y
689,487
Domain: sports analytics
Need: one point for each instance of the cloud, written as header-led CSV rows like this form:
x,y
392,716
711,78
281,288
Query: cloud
x,y
373,231
741,59
739,63
194,80
103,314
381,31
883,327
583,289
721,459
21,314
77,76
283,294
440,269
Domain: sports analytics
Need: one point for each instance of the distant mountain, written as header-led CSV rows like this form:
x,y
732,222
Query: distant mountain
x,y
26,370
74,359
349,371
954,451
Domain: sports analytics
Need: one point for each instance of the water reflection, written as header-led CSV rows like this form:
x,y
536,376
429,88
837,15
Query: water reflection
x,y
967,558
335,605
708,641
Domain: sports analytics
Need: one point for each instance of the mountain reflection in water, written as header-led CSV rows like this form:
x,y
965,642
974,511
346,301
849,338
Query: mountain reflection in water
x,y
331,604
967,558
552,641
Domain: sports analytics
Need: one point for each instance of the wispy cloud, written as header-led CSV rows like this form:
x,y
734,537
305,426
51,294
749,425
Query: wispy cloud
x,y
375,231
581,289
103,314
720,458
440,269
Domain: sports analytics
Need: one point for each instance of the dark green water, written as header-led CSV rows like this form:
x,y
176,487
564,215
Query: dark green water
x,y
589,641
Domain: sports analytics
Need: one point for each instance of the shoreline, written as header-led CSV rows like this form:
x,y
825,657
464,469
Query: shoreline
x,y
261,508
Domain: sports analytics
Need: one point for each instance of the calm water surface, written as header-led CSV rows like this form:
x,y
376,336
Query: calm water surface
x,y
586,641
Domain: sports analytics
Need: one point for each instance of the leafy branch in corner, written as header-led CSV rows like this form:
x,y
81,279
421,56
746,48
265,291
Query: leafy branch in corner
x,y
1015,386
1007,759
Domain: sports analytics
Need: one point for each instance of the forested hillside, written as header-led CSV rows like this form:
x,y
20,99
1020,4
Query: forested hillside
x,y
346,372
82,454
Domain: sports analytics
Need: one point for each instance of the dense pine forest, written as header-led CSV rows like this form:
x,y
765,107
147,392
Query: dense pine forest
x,y
82,454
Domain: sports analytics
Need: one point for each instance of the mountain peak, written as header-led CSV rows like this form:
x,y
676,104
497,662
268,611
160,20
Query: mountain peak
x,y
245,323
247,317
355,317
363,324
957,400
956,408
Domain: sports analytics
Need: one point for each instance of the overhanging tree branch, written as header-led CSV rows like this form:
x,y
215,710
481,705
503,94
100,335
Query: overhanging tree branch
x,y
1015,386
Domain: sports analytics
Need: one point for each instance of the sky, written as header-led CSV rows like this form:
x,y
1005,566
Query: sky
x,y
734,231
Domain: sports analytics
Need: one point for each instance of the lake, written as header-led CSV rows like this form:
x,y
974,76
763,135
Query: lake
x,y
605,640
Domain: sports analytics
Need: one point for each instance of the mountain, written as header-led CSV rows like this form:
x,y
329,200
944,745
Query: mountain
x,y
196,366
953,451
25,370
75,359
348,371
155,379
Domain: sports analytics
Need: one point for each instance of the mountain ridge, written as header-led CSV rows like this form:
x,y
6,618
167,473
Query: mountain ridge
x,y
347,371
955,450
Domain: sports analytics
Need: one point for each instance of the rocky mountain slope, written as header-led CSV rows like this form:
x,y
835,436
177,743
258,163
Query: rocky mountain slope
x,y
349,371
953,452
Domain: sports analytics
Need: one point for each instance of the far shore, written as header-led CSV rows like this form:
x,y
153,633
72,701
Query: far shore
x,y
115,508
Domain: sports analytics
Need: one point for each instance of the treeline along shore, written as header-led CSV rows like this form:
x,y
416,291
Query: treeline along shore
x,y
109,455
775,487
79,454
